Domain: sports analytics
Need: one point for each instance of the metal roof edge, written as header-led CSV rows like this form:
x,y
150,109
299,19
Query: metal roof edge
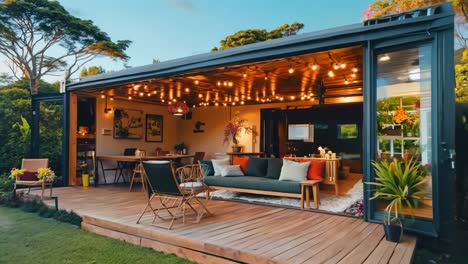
x,y
165,68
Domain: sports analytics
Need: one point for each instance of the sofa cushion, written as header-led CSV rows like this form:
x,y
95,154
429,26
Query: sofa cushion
x,y
231,170
29,176
256,167
241,161
316,169
208,170
274,168
217,163
294,171
254,183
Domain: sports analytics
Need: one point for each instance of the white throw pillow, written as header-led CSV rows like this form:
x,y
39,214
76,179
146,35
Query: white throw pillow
x,y
231,170
217,164
294,171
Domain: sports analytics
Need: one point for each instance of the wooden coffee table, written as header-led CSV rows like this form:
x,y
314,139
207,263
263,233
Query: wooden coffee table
x,y
307,186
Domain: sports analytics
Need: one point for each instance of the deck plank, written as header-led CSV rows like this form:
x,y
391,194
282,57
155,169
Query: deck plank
x,y
237,231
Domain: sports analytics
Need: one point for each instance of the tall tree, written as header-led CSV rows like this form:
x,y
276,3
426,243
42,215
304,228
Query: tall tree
x,y
32,32
249,36
91,70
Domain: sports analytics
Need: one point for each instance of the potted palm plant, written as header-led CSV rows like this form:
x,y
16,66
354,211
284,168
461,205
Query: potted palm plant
x,y
400,184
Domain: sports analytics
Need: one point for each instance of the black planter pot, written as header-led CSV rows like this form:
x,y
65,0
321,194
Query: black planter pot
x,y
393,232
236,149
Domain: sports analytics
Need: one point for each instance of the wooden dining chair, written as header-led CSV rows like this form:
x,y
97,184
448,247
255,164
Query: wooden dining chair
x,y
172,195
198,156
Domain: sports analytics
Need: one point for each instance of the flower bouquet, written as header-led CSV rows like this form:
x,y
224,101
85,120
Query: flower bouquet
x,y
233,129
46,174
15,173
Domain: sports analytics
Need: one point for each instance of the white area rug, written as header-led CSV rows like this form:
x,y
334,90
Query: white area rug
x,y
328,202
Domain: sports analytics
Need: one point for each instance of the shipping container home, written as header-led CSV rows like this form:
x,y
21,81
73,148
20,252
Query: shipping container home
x,y
350,83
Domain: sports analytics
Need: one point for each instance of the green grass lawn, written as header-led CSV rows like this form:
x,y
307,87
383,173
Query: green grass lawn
x,y
28,238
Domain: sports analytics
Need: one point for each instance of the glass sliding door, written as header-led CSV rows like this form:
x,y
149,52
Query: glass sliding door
x,y
47,133
404,114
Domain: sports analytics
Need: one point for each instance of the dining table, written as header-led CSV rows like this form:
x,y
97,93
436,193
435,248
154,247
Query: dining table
x,y
120,159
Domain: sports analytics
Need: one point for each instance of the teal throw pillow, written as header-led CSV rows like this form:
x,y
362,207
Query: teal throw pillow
x,y
274,168
256,167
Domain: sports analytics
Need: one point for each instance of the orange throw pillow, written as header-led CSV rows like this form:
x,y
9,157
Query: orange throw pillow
x,y
316,168
242,161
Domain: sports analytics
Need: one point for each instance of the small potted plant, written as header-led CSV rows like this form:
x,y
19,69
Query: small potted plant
x,y
180,148
46,174
399,183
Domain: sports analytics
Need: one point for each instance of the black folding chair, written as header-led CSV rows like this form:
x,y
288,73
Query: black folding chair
x,y
164,186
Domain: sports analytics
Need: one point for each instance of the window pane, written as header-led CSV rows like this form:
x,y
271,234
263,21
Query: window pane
x,y
404,113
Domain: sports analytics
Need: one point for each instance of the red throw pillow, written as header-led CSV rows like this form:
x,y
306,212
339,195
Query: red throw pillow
x,y
315,171
29,176
242,161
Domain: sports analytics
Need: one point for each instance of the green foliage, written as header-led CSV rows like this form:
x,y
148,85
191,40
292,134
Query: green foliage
x,y
91,70
6,182
249,36
15,103
28,238
386,7
32,30
399,183
461,78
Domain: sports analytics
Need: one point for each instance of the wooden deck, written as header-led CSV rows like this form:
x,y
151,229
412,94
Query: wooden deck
x,y
238,232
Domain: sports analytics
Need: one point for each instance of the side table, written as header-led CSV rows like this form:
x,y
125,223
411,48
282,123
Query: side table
x,y
306,187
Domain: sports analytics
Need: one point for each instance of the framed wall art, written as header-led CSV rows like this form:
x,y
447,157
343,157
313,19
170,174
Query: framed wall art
x,y
154,128
128,124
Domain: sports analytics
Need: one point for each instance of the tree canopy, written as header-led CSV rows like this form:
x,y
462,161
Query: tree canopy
x,y
39,37
386,7
249,36
91,70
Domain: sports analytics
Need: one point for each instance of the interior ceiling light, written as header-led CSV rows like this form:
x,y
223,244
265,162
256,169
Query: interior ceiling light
x,y
291,70
244,75
107,109
196,82
385,57
335,66
331,73
130,98
111,98
353,75
314,66
178,108
342,65
230,84
219,83
187,90
103,96
355,69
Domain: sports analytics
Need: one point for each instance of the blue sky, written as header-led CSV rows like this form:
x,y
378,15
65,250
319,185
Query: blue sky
x,y
169,29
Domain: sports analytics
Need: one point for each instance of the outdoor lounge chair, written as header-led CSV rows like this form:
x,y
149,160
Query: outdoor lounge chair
x,y
32,165
173,196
